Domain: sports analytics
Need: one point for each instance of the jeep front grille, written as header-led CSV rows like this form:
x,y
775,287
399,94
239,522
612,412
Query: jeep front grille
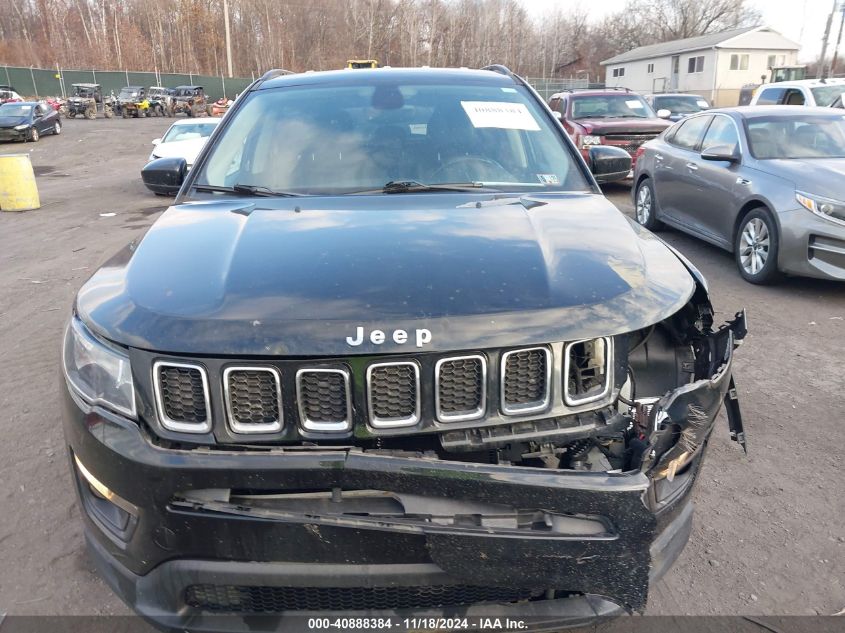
x,y
393,394
268,599
526,383
324,399
253,399
460,385
182,397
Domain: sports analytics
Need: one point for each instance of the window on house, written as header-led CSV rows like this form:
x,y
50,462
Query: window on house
x,y
695,64
650,68
740,62
618,72
770,61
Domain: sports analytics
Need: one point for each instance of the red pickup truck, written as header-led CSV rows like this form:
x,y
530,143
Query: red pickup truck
x,y
607,116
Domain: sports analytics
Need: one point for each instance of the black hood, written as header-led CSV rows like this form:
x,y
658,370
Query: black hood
x,y
13,121
296,276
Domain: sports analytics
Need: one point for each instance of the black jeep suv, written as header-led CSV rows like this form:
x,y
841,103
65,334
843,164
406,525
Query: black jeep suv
x,y
391,352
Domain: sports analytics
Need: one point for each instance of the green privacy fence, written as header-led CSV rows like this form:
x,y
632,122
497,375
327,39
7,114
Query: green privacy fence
x,y
42,82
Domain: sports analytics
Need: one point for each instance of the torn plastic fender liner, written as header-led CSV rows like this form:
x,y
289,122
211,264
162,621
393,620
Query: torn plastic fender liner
x,y
693,407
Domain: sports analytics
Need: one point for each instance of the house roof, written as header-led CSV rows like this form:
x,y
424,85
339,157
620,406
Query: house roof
x,y
679,46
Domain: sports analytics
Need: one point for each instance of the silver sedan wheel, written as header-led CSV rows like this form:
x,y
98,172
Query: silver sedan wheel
x,y
754,246
643,204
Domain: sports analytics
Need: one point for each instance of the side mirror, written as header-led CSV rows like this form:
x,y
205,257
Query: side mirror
x,y
557,115
609,163
165,175
729,153
663,113
156,141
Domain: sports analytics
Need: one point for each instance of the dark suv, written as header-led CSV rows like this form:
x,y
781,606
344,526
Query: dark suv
x,y
607,116
390,350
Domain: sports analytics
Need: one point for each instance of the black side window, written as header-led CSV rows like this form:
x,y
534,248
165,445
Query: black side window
x,y
770,96
793,97
689,132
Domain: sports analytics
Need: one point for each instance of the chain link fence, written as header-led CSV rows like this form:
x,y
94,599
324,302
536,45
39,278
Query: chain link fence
x,y
57,82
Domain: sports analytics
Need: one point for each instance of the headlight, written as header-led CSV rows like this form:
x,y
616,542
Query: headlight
x,y
22,127
590,140
99,373
826,208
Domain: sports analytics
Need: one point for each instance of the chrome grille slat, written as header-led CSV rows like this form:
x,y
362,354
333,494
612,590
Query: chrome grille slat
x,y
525,380
393,394
182,396
324,399
460,388
253,399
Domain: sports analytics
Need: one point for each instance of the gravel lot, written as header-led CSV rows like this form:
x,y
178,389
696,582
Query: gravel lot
x,y
769,534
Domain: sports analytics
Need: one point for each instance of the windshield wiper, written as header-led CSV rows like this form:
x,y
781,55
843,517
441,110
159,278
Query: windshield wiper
x,y
412,186
250,190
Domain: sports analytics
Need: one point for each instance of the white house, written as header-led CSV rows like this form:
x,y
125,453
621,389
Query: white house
x,y
714,66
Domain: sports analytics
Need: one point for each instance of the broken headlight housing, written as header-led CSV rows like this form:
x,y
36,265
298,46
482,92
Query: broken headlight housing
x,y
826,208
97,372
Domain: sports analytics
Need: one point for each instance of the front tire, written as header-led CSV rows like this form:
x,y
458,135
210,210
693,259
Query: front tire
x,y
57,127
756,247
645,206
33,135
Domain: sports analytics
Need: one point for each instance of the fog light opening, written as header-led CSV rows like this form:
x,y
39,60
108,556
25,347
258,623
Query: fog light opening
x,y
113,512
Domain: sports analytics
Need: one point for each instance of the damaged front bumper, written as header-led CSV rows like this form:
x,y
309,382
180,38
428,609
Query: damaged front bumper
x,y
182,534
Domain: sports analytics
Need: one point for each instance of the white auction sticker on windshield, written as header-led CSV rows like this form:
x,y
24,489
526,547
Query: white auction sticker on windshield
x,y
702,103
633,103
500,114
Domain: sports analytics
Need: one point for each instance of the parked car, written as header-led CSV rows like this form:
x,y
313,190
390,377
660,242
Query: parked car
x,y
379,356
9,96
28,121
184,139
806,92
679,105
615,117
765,183
190,100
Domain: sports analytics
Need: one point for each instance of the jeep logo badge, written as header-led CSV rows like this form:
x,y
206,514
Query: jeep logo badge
x,y
377,337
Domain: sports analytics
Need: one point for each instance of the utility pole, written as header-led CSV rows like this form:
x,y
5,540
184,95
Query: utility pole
x,y
838,39
229,36
823,59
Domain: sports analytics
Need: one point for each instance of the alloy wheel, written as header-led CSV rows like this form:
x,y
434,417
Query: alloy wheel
x,y
643,204
754,246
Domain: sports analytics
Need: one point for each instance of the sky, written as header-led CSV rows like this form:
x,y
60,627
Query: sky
x,y
800,20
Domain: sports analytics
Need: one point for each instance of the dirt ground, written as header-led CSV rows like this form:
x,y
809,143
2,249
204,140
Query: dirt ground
x,y
769,535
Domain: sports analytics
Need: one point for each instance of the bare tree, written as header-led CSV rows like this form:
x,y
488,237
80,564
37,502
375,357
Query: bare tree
x,y
187,35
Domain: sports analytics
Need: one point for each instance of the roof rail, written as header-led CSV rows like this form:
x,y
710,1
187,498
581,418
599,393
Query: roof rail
x,y
499,68
504,70
276,72
604,88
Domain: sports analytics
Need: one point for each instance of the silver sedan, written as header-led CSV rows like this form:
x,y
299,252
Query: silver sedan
x,y
766,183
